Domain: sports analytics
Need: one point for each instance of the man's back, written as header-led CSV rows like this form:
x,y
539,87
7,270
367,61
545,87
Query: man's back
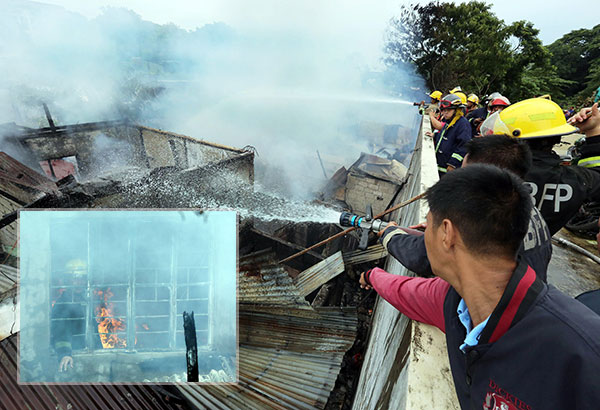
x,y
559,190
409,250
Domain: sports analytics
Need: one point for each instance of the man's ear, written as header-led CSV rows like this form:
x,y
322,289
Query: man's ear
x,y
449,233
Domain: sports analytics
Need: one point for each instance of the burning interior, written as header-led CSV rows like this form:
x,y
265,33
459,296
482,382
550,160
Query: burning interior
x,y
118,284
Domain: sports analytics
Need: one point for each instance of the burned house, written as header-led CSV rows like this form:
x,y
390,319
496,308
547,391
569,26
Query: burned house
x,y
371,180
273,310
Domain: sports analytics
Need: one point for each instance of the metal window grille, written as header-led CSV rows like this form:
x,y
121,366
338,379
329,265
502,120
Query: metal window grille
x,y
147,293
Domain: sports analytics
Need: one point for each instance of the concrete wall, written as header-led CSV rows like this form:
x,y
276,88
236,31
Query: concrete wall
x,y
406,364
132,144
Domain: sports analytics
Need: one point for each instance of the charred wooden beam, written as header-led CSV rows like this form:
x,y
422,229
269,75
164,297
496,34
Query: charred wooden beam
x,y
49,117
191,346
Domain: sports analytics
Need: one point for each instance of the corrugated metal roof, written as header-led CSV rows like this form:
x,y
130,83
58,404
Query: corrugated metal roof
x,y
8,278
324,329
372,253
263,281
63,397
289,358
290,354
318,274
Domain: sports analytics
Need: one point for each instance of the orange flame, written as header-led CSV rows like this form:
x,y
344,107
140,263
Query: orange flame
x,y
108,325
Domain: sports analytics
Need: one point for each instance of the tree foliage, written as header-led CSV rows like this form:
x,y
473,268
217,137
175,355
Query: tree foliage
x,y
468,45
577,58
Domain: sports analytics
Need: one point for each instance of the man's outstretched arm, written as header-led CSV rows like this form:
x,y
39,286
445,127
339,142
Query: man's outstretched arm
x,y
420,299
408,249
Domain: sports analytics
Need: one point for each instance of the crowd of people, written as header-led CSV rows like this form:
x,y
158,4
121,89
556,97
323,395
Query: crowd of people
x,y
514,341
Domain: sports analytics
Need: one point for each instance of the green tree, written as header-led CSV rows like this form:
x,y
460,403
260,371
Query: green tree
x,y
577,58
468,45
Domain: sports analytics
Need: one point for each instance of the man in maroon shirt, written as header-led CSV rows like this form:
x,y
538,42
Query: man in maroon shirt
x,y
511,338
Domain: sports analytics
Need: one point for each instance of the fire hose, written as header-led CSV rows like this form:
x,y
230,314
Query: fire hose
x,y
355,222
576,248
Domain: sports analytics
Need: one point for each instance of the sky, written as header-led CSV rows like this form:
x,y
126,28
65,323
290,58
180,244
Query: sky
x,y
332,17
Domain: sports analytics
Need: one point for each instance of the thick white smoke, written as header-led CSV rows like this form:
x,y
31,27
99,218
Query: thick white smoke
x,y
282,80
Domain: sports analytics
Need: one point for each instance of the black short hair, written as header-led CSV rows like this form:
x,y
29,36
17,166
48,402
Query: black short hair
x,y
543,144
489,206
502,151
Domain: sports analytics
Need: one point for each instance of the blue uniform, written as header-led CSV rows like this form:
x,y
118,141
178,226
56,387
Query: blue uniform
x,y
450,144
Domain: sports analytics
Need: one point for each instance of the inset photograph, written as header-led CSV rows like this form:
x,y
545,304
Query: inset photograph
x,y
128,296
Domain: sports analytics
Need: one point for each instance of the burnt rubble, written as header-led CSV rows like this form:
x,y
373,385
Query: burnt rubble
x,y
322,284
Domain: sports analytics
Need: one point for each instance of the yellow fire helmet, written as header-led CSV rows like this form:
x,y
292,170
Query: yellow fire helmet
x,y
436,95
473,98
76,267
532,118
462,96
455,90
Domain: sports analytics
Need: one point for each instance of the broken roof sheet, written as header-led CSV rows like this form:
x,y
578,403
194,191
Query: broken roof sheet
x,y
315,276
289,358
263,281
378,167
14,172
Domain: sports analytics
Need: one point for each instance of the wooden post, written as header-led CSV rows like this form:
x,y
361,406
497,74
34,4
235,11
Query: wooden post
x,y
191,346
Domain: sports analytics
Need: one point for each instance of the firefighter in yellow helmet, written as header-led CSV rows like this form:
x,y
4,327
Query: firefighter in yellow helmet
x,y
450,141
472,102
68,313
435,96
432,108
462,96
557,190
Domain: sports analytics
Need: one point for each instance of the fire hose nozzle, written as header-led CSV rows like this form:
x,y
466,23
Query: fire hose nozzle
x,y
364,224
352,220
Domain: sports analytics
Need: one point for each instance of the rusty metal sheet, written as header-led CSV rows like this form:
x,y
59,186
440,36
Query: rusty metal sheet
x,y
15,172
263,281
289,358
313,277
324,329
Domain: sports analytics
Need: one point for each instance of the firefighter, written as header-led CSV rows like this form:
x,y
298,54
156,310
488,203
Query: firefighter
x,y
588,122
456,132
68,314
433,106
504,152
557,191
478,115
472,103
511,339
462,96
498,104
438,121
